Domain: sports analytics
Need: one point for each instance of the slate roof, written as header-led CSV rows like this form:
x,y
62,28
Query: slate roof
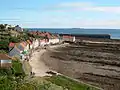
x,y
15,51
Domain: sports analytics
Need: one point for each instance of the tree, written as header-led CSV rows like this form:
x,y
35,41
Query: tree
x,y
2,26
4,45
14,39
5,25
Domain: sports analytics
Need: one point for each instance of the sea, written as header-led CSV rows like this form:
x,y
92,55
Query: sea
x,y
115,33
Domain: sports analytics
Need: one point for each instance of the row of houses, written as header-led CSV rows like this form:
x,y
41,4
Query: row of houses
x,y
48,37
24,49
14,49
20,50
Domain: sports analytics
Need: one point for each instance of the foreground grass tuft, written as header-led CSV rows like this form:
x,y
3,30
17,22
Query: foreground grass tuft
x,y
69,84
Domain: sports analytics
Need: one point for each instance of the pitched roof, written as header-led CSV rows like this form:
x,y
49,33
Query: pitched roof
x,y
4,57
28,41
23,44
20,46
65,36
17,49
49,35
11,44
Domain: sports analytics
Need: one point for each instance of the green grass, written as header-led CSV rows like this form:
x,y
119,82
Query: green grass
x,y
13,79
17,67
69,84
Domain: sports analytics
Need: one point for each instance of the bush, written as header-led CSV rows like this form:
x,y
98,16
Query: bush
x,y
17,68
4,72
3,52
4,44
14,39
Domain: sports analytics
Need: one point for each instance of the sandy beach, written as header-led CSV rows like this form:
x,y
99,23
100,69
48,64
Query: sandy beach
x,y
38,66
37,63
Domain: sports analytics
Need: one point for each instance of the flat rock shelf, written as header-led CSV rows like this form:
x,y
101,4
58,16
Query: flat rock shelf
x,y
93,63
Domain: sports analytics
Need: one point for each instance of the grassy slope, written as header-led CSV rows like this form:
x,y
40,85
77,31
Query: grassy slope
x,y
13,79
54,82
17,67
69,84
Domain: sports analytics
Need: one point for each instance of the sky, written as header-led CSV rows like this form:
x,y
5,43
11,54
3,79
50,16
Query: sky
x,y
61,13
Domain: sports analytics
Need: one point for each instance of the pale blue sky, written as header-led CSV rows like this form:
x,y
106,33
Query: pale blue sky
x,y
61,13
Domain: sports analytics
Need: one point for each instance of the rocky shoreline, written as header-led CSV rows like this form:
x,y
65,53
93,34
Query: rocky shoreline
x,y
94,63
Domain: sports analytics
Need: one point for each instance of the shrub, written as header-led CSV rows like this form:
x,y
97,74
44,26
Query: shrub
x,y
17,68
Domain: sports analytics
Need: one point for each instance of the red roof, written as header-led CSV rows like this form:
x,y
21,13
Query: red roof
x,y
67,36
33,32
49,35
11,44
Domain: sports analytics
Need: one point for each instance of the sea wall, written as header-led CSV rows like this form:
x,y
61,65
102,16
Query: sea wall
x,y
99,36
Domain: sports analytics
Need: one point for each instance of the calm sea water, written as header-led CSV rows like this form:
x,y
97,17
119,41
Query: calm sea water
x,y
115,33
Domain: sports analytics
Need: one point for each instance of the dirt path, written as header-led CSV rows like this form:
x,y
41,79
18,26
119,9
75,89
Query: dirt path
x,y
38,66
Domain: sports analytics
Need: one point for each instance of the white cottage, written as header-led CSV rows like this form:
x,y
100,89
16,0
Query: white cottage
x,y
5,61
54,40
30,44
24,46
74,39
36,43
44,42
